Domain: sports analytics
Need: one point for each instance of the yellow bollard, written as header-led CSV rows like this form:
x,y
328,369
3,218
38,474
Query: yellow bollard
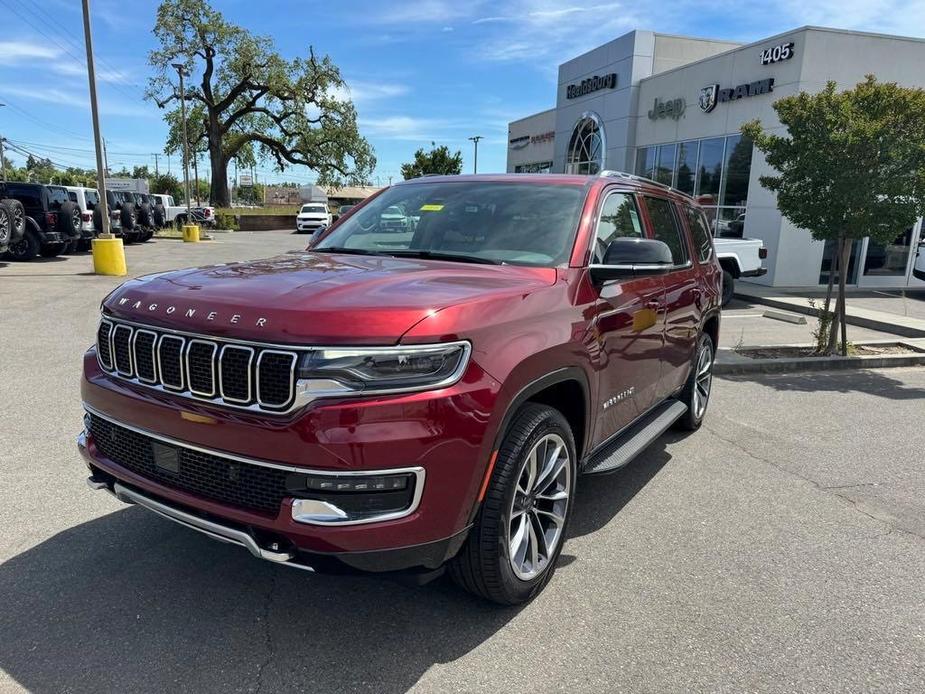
x,y
191,233
108,257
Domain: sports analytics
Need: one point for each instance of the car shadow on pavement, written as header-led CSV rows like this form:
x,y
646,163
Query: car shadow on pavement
x,y
132,602
870,381
600,498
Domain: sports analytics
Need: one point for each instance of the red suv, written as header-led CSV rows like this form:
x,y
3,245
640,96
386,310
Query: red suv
x,y
404,401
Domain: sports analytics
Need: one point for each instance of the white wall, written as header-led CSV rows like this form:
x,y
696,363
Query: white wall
x,y
536,151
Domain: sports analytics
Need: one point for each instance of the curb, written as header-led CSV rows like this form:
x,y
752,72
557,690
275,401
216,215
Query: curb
x,y
729,363
894,327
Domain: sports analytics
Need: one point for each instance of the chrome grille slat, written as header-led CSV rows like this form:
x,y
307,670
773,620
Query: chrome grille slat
x,y
219,371
122,350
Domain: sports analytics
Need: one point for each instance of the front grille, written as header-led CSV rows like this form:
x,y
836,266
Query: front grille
x,y
218,371
226,481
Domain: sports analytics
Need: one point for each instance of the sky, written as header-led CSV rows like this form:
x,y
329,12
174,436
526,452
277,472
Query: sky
x,y
430,70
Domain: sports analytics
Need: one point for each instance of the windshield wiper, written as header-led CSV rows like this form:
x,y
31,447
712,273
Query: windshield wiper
x,y
438,255
344,249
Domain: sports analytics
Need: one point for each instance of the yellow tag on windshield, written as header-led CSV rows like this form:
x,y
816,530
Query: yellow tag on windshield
x,y
431,208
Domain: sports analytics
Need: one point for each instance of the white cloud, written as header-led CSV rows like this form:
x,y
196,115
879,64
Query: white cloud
x,y
12,52
364,91
81,100
410,128
73,69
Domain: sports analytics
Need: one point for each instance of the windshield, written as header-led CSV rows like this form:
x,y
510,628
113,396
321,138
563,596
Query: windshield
x,y
520,223
314,208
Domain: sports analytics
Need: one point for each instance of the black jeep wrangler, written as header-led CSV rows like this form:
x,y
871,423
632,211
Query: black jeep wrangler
x,y
44,221
123,202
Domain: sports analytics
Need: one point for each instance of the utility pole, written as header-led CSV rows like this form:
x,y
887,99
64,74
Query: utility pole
x,y
95,114
475,163
105,158
196,173
180,71
2,160
157,173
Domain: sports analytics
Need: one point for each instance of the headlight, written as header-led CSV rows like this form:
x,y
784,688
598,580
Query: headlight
x,y
342,371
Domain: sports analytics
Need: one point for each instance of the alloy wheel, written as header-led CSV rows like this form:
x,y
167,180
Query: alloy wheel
x,y
703,380
19,218
537,515
6,230
76,221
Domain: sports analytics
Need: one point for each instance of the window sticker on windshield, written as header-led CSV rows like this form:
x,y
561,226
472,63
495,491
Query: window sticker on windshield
x,y
431,208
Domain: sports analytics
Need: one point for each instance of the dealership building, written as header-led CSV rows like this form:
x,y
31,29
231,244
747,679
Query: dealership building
x,y
671,108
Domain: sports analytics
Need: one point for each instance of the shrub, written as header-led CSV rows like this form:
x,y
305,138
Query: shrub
x,y
223,220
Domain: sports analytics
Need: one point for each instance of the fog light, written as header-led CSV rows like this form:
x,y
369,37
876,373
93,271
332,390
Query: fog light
x,y
332,499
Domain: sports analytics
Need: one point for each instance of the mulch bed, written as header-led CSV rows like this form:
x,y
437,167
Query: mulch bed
x,y
856,351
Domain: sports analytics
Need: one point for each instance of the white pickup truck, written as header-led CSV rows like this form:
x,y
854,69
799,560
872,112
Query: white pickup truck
x,y
176,214
739,258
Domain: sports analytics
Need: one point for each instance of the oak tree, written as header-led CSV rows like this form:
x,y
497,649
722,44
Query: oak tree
x,y
244,99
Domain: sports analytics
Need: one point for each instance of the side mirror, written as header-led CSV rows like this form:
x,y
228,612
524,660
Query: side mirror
x,y
633,257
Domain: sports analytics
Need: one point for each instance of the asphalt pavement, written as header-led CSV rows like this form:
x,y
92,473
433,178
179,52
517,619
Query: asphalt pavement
x,y
780,548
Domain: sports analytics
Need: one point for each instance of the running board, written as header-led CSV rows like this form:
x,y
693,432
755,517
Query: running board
x,y
636,439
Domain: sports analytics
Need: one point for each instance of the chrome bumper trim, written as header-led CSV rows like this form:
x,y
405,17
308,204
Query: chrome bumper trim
x,y
216,531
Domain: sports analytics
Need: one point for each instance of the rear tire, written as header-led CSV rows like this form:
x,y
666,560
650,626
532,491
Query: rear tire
x,y
26,248
699,385
6,224
18,218
728,287
127,212
510,555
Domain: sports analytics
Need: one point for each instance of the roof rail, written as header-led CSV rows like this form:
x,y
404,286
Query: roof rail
x,y
634,177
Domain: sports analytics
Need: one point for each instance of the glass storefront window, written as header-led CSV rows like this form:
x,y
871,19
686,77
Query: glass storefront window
x,y
586,147
730,222
888,260
687,166
538,167
738,167
645,162
710,169
664,170
828,255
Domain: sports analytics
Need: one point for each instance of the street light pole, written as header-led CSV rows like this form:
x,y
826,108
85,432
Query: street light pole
x,y
95,115
2,160
475,164
181,71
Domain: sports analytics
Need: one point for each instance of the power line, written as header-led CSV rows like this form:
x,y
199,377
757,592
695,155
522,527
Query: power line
x,y
42,123
51,38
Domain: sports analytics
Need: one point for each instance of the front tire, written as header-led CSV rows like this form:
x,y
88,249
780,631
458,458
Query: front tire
x,y
512,549
699,385
729,284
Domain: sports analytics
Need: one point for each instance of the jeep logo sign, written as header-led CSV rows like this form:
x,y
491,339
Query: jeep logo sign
x,y
712,94
592,84
673,108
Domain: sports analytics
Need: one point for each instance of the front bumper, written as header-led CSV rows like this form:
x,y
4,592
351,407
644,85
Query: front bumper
x,y
443,433
309,224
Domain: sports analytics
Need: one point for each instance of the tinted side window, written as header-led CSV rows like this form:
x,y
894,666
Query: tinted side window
x,y
72,196
665,228
29,196
703,244
619,218
56,197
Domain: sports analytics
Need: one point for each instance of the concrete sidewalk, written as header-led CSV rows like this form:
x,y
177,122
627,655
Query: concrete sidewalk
x,y
893,311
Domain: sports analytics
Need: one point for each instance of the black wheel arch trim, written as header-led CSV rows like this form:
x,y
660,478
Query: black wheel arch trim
x,y
566,373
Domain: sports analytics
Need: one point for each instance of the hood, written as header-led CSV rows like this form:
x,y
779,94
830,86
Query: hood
x,y
315,298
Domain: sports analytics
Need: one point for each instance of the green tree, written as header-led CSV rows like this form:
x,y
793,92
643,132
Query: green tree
x,y
437,161
167,184
242,94
852,164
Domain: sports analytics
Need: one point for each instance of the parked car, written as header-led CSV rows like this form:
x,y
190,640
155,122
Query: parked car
x,y
86,200
918,270
311,216
124,203
12,223
739,258
47,223
69,219
394,219
144,215
383,407
176,215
